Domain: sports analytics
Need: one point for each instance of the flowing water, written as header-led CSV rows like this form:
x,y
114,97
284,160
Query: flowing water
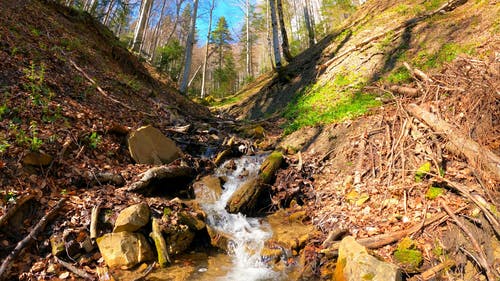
x,y
247,234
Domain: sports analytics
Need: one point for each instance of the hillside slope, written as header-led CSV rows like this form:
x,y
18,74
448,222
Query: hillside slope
x,y
371,47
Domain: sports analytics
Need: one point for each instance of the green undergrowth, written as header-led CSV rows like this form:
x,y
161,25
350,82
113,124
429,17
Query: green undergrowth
x,y
339,99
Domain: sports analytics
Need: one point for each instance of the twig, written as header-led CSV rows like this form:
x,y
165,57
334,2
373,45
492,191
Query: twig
x,y
381,240
146,272
29,238
462,189
483,260
359,165
433,271
75,270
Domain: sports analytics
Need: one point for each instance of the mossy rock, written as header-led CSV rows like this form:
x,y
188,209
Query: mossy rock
x,y
270,166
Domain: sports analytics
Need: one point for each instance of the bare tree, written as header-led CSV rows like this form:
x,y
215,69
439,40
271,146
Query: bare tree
x,y
189,49
274,25
284,37
141,25
309,23
205,60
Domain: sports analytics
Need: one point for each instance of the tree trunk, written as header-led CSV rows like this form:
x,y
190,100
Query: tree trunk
x,y
309,27
139,30
189,50
284,37
248,47
156,35
274,25
205,60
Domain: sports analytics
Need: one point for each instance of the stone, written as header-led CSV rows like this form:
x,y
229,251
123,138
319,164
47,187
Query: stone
x,y
178,238
132,218
148,145
354,263
37,159
124,249
208,189
218,238
191,221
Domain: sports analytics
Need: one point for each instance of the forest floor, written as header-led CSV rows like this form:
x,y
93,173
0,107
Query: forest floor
x,y
385,174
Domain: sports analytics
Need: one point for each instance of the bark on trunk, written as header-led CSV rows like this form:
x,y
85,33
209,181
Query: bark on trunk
x,y
189,50
274,24
141,25
284,37
207,48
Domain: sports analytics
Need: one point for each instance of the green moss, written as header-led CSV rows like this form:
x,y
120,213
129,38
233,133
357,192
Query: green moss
x,y
409,259
447,53
368,276
408,255
434,192
336,100
422,171
400,75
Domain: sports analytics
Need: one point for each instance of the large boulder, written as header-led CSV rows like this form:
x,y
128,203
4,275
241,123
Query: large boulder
x,y
354,263
132,218
124,249
148,145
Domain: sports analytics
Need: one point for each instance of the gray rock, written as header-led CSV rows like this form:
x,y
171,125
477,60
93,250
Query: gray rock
x,y
148,145
354,264
124,249
132,218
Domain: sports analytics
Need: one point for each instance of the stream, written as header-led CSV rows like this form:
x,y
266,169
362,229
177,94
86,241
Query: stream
x,y
248,234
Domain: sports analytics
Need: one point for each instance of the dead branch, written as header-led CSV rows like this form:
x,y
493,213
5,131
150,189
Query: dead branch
x,y
483,260
94,220
83,274
463,190
160,173
358,173
14,208
381,240
433,271
417,73
405,91
29,238
473,151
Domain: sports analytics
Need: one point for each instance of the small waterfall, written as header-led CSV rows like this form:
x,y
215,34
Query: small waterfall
x,y
248,234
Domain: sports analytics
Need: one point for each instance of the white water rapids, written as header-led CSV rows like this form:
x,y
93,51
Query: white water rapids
x,y
248,234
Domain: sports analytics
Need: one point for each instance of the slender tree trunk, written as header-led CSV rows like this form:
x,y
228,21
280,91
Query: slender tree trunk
x,y
156,36
248,63
309,27
284,37
189,50
108,13
276,41
268,34
139,30
205,60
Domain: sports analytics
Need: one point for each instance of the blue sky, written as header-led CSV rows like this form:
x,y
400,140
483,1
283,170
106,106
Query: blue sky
x,y
234,17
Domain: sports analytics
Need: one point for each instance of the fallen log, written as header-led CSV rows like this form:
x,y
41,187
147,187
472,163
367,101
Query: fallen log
x,y
476,154
245,198
39,227
160,173
405,91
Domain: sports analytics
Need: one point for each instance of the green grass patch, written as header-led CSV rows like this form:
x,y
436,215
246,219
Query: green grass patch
x,y
400,75
323,104
446,53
